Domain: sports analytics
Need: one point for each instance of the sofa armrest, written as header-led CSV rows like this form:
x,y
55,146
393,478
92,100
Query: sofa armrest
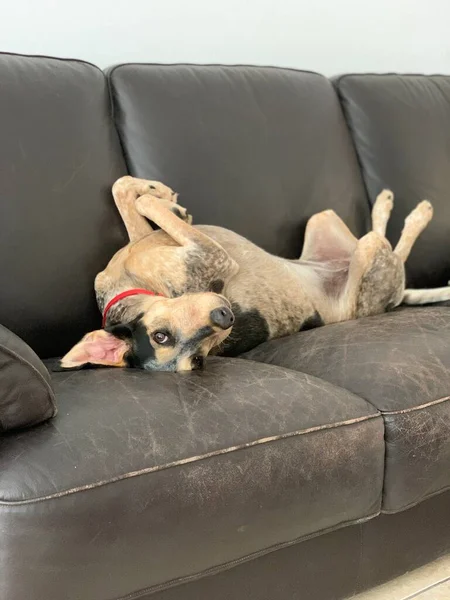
x,y
26,394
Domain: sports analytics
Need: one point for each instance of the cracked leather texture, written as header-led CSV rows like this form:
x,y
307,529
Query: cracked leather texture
x,y
26,395
59,155
400,126
400,363
255,149
173,474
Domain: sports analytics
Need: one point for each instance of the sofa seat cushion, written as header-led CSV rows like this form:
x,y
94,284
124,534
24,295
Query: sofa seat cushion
x,y
145,479
400,363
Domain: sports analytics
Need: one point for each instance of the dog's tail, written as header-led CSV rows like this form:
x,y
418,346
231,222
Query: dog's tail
x,y
430,296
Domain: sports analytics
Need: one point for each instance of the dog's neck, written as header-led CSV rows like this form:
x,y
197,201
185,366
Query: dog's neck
x,y
125,310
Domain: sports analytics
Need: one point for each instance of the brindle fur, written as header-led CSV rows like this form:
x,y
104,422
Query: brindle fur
x,y
197,269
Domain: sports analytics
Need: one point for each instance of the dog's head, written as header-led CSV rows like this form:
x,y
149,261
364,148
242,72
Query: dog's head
x,y
169,334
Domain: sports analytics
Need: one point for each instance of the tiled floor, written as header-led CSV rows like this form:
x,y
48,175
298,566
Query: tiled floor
x,y
431,582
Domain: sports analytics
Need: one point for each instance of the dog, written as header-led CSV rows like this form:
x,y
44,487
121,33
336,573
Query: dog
x,y
175,294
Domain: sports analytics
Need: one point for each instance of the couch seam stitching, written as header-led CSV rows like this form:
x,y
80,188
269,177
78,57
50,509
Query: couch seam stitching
x,y
191,460
55,58
111,69
414,408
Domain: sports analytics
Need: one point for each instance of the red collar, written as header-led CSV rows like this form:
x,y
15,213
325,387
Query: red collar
x,y
121,296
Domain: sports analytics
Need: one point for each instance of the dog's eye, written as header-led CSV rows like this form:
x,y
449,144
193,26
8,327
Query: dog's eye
x,y
197,362
160,337
152,187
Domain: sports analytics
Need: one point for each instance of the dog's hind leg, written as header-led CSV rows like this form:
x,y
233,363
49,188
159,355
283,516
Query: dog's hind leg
x,y
381,212
415,223
376,279
327,238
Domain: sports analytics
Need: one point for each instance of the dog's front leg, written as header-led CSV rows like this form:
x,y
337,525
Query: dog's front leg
x,y
208,255
125,191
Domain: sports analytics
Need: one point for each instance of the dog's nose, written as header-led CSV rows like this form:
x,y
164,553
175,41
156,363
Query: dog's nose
x,y
222,317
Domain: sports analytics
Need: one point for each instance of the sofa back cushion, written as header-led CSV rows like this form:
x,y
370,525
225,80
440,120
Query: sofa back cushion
x,y
59,155
401,129
254,149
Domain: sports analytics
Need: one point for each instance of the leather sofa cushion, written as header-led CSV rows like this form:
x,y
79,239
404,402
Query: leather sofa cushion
x,y
59,155
400,363
254,149
26,395
148,479
400,126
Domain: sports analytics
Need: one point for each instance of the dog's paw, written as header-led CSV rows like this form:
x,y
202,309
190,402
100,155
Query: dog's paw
x,y
181,213
143,202
421,215
144,186
159,190
384,202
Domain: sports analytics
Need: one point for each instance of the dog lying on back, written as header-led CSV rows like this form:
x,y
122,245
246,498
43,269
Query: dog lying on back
x,y
174,295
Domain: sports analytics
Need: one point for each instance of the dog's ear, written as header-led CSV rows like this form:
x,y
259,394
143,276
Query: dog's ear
x,y
102,347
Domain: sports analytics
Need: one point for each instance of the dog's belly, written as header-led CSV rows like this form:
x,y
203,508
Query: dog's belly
x,y
271,297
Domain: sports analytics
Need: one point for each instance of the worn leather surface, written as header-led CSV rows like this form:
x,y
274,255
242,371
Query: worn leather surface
x,y
155,477
254,149
59,155
400,126
26,394
335,565
400,363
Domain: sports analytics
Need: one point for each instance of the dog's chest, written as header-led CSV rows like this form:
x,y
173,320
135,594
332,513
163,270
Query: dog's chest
x,y
265,307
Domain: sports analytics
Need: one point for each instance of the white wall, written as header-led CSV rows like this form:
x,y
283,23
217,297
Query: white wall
x,y
329,36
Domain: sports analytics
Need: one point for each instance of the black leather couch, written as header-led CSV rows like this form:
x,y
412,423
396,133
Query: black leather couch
x,y
315,466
